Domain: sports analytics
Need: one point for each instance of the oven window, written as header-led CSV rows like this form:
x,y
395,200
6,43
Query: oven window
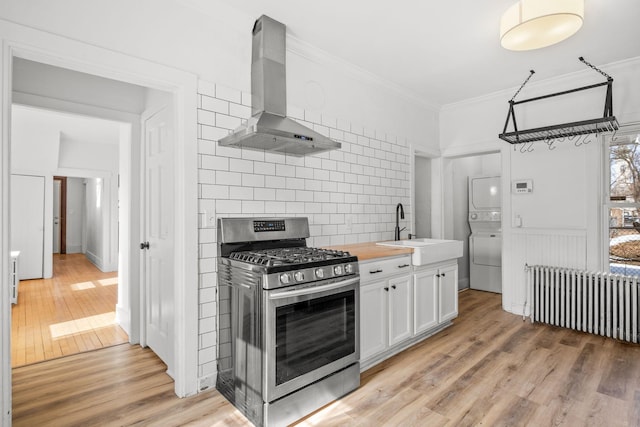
x,y
311,334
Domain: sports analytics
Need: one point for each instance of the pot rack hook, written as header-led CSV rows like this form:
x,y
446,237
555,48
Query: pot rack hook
x,y
531,72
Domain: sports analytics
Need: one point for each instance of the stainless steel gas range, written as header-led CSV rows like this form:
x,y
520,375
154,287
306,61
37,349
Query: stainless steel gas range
x,y
288,320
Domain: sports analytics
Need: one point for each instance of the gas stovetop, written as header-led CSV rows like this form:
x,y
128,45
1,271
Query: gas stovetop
x,y
292,256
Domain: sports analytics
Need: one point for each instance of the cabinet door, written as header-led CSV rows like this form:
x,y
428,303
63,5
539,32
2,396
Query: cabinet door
x,y
400,309
426,299
448,285
373,319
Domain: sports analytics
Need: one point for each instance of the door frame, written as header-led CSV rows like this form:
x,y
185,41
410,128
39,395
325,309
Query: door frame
x,y
21,41
63,212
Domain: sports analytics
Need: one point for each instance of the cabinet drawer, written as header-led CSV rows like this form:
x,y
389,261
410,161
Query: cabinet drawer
x,y
384,267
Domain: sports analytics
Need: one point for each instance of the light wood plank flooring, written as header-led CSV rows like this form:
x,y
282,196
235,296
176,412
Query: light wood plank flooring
x,y
70,313
490,368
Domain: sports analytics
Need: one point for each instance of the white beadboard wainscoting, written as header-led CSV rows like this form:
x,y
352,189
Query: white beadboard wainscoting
x,y
349,195
555,247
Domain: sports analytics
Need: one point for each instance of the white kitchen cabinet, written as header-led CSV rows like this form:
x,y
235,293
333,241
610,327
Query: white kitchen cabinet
x,y
400,309
425,288
436,295
386,312
373,319
448,292
402,305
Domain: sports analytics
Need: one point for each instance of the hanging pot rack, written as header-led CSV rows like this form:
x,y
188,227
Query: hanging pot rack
x,y
606,123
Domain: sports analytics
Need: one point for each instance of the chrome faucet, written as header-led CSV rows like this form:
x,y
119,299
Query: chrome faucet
x,y
400,212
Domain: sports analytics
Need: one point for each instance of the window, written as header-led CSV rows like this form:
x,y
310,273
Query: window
x,y
624,204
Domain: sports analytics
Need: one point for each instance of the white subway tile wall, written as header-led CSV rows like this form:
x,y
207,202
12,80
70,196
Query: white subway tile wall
x,y
349,195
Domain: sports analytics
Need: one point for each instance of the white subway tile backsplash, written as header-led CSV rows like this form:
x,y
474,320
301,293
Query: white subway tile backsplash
x,y
320,174
239,110
253,207
304,172
275,182
252,155
215,105
227,122
295,183
228,94
295,208
214,163
321,197
265,194
285,195
252,180
264,168
285,170
214,191
241,193
228,178
240,165
228,206
212,133
349,195
304,196
312,185
275,207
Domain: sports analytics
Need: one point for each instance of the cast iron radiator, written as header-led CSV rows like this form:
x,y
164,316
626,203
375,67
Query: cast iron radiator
x,y
594,302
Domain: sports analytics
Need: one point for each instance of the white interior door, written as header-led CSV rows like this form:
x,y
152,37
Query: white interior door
x,y
158,239
27,224
56,216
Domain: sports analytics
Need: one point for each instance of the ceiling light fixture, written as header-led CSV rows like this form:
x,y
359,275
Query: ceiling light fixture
x,y
532,24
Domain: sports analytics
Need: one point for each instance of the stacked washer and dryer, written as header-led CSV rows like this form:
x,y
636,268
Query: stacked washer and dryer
x,y
485,242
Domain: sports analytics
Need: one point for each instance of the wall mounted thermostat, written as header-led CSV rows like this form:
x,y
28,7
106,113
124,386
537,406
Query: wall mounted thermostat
x,y
521,186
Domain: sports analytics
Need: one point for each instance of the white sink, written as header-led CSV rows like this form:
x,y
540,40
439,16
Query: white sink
x,y
428,251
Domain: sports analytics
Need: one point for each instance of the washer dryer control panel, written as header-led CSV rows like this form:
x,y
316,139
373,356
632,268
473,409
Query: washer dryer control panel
x,y
485,216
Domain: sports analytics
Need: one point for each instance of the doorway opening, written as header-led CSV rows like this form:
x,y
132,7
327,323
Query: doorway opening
x,y
68,244
92,62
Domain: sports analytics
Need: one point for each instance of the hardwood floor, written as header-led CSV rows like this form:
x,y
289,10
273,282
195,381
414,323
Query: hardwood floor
x,y
489,368
70,313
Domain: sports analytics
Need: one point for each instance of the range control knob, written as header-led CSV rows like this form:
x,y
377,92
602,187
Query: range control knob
x,y
348,268
285,278
299,276
337,270
319,273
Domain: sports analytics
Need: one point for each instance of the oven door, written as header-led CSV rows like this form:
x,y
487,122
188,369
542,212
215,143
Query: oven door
x,y
310,332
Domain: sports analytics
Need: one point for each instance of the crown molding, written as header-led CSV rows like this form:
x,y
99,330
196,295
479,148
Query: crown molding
x,y
305,50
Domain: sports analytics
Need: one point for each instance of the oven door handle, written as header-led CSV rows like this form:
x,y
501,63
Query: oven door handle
x,y
313,290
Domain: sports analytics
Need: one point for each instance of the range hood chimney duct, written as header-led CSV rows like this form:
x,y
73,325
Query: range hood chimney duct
x,y
268,128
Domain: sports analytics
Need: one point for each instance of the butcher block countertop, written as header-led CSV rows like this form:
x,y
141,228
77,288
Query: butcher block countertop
x,y
370,250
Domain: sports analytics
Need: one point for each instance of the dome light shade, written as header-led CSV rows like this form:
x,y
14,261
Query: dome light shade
x,y
532,24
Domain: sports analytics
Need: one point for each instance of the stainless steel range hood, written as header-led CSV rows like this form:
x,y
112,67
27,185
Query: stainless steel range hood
x,y
269,129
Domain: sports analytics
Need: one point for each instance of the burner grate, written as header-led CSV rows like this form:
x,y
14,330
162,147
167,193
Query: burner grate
x,y
286,256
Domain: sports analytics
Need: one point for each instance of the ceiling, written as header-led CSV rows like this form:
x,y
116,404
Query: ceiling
x,y
72,127
442,51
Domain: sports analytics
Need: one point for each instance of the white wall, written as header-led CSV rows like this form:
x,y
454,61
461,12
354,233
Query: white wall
x,y
75,216
218,49
561,219
461,169
422,197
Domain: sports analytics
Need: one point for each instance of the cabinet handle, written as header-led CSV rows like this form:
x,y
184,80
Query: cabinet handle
x,y
403,265
386,289
443,275
375,271
437,275
393,286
